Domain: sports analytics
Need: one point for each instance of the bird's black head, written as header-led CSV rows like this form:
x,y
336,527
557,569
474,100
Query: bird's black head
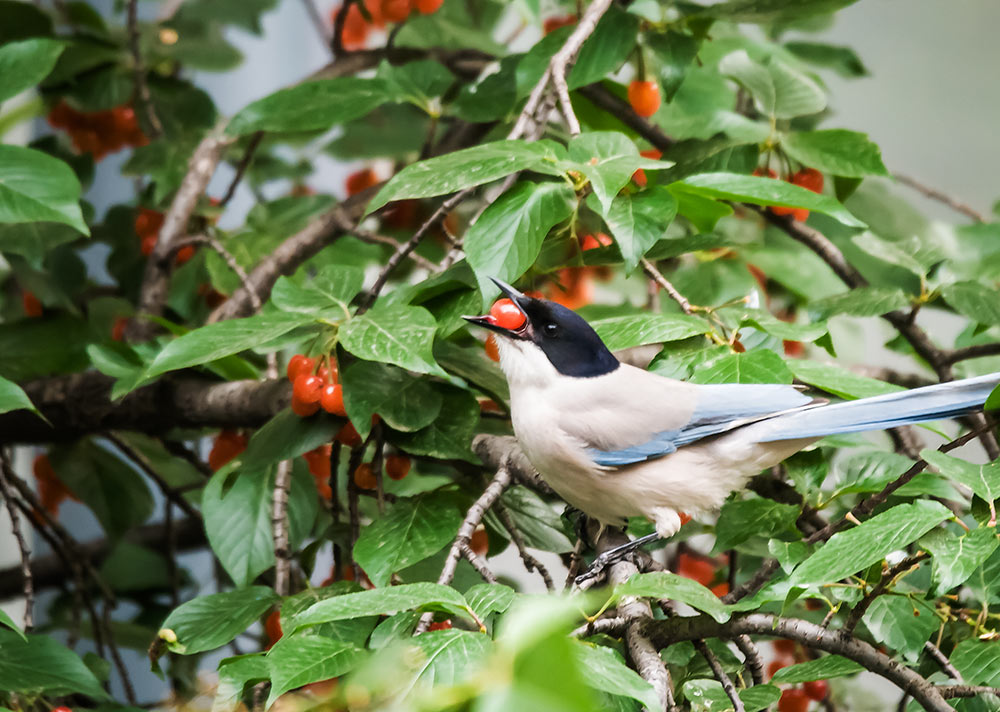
x,y
566,339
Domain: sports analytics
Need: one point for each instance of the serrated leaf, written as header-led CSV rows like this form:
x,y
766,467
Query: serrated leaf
x,y
468,168
410,531
396,334
763,191
35,187
825,668
506,238
861,301
38,664
405,402
450,655
298,660
488,598
383,601
796,94
622,332
331,290
638,221
757,366
744,518
608,159
604,669
836,151
902,623
209,622
311,106
956,558
984,480
13,397
979,302
978,661
767,322
858,548
891,252
663,584
26,63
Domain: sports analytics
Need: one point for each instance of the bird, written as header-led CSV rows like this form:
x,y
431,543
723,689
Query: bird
x,y
617,441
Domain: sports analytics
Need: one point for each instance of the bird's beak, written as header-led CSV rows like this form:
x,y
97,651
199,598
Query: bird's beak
x,y
519,300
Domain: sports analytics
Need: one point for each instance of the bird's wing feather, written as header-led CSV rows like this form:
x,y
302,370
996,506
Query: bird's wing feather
x,y
633,416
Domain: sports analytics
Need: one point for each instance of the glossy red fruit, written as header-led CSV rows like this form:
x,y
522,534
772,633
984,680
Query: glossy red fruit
x,y
764,173
184,255
272,627
720,589
302,409
355,32
507,315
364,476
328,373
228,445
397,466
374,8
644,96
148,244
808,178
395,10
32,306
307,388
696,568
331,399
319,465
426,7
440,625
61,116
793,700
479,542
816,689
640,175
492,350
359,181
551,24
61,708
775,665
299,365
348,435
593,242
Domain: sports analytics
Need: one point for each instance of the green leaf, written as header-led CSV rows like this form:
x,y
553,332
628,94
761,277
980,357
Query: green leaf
x,y
708,696
409,532
404,401
26,63
604,669
956,558
902,623
506,238
221,339
209,622
861,301
116,494
298,660
993,402
383,601
839,381
768,323
396,334
311,106
778,90
757,366
6,620
675,52
623,332
608,159
35,187
663,584
744,518
449,656
836,151
238,522
331,290
772,10
538,523
978,661
450,433
855,549
703,212
235,674
763,191
416,82
984,480
974,300
12,397
130,567
829,666
638,221
37,664
286,436
468,168
894,253
843,60
753,76
488,598
606,50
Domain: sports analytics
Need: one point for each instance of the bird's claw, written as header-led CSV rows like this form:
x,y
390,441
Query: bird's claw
x,y
596,569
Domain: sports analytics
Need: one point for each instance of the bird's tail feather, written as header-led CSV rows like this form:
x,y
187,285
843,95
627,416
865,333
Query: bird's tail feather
x,y
918,405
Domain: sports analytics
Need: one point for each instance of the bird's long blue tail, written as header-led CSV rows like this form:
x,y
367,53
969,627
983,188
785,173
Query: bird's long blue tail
x,y
918,405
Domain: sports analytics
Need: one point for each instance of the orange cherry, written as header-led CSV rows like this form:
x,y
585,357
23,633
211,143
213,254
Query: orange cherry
x,y
397,466
364,476
507,315
644,96
331,399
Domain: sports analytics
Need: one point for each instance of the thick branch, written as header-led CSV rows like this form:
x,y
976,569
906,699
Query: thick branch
x,y
279,527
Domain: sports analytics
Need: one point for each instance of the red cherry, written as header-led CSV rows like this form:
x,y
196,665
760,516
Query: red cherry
x,y
183,255
148,221
148,244
479,542
492,350
118,328
319,468
507,315
593,242
299,365
720,589
775,665
32,306
303,410
440,625
272,627
61,708
551,24
328,373
348,436
685,518
784,647
426,7
359,181
764,172
644,97
809,178
374,8
61,116
816,689
793,700
640,175
355,31
364,476
331,399
395,10
696,568
397,466
307,388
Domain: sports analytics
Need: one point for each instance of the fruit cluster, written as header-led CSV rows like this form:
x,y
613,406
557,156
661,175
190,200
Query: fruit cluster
x,y
318,460
52,492
396,468
99,132
147,226
808,178
228,445
376,15
314,388
795,699
702,569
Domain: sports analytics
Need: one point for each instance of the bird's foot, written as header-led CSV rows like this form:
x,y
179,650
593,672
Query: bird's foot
x,y
612,556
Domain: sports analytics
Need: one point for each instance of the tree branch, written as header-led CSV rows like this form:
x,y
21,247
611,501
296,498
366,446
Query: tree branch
x,y
279,528
669,288
28,588
720,674
241,168
937,195
751,658
139,71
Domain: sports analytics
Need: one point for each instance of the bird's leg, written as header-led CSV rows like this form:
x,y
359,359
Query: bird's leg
x,y
612,556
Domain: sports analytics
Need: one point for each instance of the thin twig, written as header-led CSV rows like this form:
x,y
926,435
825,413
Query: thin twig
x,y
373,238
477,563
889,578
942,660
612,625
967,352
279,527
937,195
168,492
720,674
242,166
669,288
22,544
530,562
139,71
116,656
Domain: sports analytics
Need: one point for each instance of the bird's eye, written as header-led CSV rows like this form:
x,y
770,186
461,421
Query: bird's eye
x,y
551,329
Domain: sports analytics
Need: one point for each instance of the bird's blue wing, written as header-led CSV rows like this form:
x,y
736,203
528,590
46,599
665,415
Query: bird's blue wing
x,y
719,408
